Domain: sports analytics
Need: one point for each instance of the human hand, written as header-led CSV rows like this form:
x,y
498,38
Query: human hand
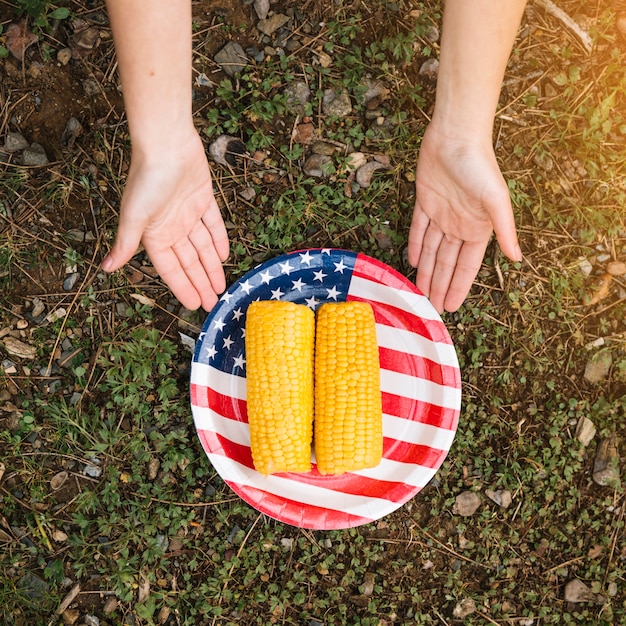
x,y
461,199
169,206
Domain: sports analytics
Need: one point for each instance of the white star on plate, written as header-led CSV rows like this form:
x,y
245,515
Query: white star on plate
x,y
226,297
319,276
286,267
211,352
326,251
276,294
228,342
239,361
339,267
311,302
218,324
243,333
265,277
246,286
306,258
333,293
237,313
298,284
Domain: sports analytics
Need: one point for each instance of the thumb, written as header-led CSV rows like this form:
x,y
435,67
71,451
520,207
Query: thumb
x,y
126,243
503,222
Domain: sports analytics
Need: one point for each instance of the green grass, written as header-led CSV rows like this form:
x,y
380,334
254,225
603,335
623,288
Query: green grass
x,y
144,521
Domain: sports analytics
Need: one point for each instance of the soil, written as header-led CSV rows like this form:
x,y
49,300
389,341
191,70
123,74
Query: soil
x,y
39,96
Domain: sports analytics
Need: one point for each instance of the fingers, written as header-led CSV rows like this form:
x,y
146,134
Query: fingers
x,y
126,244
501,214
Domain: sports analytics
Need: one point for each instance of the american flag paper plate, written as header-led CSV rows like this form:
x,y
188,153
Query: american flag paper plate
x,y
420,383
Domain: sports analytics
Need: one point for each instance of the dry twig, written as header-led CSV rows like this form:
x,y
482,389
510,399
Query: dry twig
x,y
568,22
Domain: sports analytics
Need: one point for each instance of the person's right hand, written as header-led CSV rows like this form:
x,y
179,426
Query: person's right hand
x,y
168,205
461,199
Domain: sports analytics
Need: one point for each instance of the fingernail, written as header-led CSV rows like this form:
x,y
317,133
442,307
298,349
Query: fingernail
x,y
107,264
518,254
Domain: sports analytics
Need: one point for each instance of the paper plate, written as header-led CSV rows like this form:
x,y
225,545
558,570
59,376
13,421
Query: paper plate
x,y
420,384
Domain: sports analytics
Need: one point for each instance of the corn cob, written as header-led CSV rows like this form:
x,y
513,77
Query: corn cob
x,y
279,362
348,407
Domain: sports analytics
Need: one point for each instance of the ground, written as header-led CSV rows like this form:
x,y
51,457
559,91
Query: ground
x,y
110,508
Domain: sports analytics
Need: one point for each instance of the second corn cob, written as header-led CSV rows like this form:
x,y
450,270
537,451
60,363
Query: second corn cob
x,y
348,407
279,363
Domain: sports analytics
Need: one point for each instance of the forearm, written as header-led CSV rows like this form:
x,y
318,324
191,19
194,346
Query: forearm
x,y
153,47
477,38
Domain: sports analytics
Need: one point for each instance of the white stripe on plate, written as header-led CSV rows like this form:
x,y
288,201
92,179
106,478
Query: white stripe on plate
x,y
419,389
409,431
224,382
207,419
408,473
364,506
406,300
412,343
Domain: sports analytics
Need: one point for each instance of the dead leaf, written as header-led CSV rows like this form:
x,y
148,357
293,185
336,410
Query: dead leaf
x,y
144,590
599,290
58,480
143,299
19,39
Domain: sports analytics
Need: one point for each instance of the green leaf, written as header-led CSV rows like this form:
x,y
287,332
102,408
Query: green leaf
x,y
3,52
62,13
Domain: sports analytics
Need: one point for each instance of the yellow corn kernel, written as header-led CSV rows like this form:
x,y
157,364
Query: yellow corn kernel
x,y
348,406
280,340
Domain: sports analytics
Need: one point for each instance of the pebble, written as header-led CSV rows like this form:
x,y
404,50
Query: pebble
x,y
91,620
502,497
225,149
248,193
58,480
262,8
323,147
38,308
365,172
271,24
585,431
466,503
336,103
93,471
64,56
429,68
616,268
315,165
598,367
464,608
231,58
297,96
14,142
70,282
606,471
110,605
576,591
356,160
35,156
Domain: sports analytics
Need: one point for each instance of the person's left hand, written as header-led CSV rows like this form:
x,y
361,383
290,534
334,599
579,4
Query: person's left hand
x,y
169,206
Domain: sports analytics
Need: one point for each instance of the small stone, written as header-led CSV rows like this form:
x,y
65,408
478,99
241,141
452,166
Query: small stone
x,y
576,591
164,614
262,8
64,56
38,308
58,480
375,94
8,367
367,588
365,173
464,608
429,68
585,266
110,605
35,156
91,620
248,193
18,348
73,130
585,431
70,616
325,60
502,497
616,268
70,282
153,468
598,367
59,536
323,147
231,58
92,470
355,160
317,165
271,24
21,324
612,589
287,543
297,96
14,142
336,103
620,23
466,503
606,471
225,150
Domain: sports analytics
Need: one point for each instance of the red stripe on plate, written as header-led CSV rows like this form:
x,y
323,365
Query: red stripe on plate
x,y
373,269
396,317
418,367
404,452
215,443
291,512
226,406
418,411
